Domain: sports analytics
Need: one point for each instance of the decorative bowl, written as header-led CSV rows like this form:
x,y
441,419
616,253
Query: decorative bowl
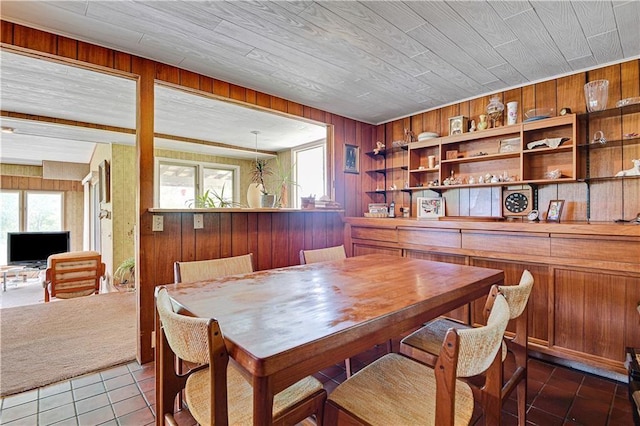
x,y
427,135
538,113
628,101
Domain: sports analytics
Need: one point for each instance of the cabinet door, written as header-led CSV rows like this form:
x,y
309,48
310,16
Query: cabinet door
x,y
462,313
594,313
538,305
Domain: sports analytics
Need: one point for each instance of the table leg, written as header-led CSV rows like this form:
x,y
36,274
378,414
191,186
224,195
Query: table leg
x,y
4,281
262,401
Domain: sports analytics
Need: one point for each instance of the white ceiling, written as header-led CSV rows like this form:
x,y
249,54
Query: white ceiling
x,y
43,88
369,60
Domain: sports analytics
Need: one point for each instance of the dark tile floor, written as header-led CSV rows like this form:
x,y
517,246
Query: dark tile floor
x,y
125,395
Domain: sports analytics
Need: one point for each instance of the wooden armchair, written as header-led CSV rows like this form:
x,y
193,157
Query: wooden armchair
x,y
395,389
200,270
423,344
73,274
216,392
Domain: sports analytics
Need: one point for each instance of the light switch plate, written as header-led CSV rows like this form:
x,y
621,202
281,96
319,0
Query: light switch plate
x,y
198,221
158,223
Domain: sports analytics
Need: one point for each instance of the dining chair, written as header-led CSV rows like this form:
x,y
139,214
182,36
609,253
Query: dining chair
x,y
200,270
216,391
322,255
397,390
423,345
73,274
325,255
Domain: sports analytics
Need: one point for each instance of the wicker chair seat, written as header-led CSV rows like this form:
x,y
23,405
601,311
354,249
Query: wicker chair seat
x,y
240,396
429,338
395,390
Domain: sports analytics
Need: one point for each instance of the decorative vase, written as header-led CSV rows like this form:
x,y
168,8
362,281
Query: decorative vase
x,y
596,94
254,192
284,194
483,124
268,200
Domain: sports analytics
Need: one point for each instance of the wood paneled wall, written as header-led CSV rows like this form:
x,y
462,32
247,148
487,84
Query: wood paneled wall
x,y
610,200
345,131
274,238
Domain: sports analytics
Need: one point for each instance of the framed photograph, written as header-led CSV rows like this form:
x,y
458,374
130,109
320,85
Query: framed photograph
x,y
351,159
430,208
555,210
104,184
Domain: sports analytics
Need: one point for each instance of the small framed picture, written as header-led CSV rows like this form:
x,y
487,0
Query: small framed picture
x,y
555,210
351,159
430,207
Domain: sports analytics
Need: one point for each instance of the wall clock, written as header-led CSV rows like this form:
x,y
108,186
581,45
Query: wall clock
x,y
517,202
457,125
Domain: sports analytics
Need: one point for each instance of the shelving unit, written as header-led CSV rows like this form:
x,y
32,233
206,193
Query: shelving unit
x,y
599,163
496,153
383,170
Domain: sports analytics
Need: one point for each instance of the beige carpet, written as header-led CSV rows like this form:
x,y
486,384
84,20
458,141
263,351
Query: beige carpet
x,y
49,342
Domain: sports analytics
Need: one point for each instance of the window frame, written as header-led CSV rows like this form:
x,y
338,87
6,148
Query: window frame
x,y
200,166
294,160
23,213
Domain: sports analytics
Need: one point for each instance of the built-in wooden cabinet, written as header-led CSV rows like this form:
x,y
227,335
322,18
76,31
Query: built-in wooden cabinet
x,y
582,309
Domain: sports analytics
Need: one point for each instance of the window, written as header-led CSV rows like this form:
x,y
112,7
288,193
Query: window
x,y
179,183
310,168
32,211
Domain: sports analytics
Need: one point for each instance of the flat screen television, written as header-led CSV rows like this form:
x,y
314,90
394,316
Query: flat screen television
x,y
33,248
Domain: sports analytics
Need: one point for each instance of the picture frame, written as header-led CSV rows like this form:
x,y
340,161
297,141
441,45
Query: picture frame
x,y
430,207
104,181
351,159
554,212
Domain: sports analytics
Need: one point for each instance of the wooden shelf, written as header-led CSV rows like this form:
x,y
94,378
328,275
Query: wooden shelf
x,y
530,166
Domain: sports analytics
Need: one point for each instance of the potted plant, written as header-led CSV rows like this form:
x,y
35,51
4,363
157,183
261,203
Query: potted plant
x,y
124,276
209,200
260,172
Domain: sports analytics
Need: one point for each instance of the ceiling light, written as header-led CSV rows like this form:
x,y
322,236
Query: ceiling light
x,y
8,130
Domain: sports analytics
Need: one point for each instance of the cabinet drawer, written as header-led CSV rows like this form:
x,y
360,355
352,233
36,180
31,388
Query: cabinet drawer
x,y
430,237
376,234
507,242
597,248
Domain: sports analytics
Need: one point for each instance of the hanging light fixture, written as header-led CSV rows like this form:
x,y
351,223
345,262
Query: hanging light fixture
x,y
256,132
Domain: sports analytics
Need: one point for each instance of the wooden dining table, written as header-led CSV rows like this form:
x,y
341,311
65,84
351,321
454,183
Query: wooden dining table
x,y
281,325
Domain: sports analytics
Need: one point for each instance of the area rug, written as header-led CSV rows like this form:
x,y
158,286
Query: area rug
x,y
49,342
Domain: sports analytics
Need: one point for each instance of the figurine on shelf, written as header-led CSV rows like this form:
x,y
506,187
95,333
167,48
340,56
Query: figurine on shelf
x,y
483,124
379,148
409,136
473,126
634,171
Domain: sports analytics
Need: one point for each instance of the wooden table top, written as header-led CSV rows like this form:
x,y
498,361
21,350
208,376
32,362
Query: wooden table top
x,y
273,318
